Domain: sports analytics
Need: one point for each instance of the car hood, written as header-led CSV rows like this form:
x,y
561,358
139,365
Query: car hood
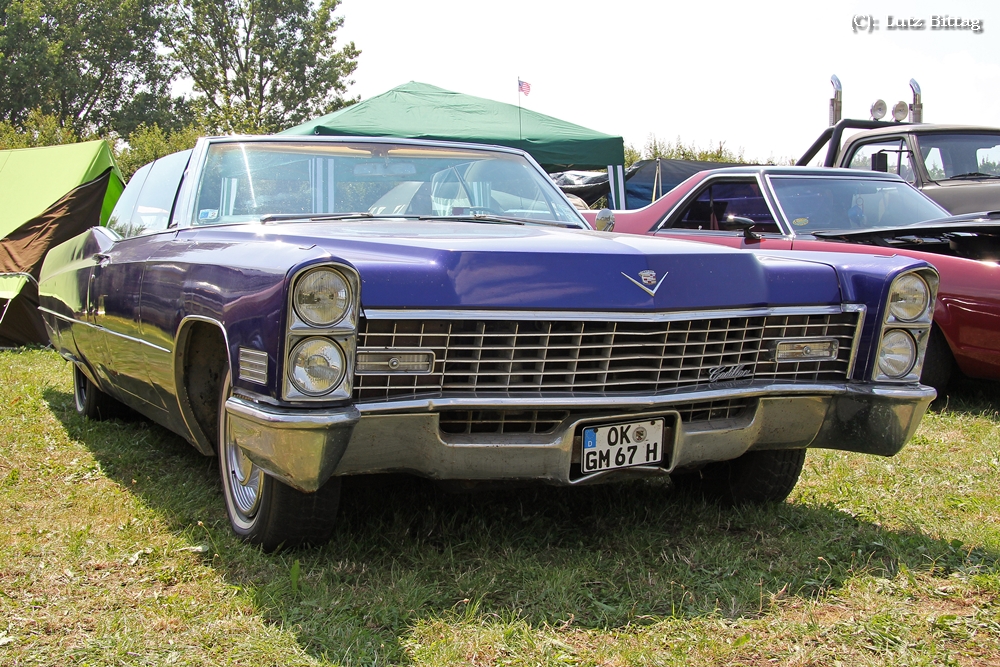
x,y
973,236
439,264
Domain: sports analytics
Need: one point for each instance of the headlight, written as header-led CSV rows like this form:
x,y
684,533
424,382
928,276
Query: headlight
x,y
909,298
322,297
317,366
897,354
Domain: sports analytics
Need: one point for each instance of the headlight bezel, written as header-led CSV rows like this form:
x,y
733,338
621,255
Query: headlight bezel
x,y
292,366
298,307
917,328
342,333
893,315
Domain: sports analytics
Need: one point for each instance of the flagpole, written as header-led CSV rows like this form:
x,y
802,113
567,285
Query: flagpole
x,y
519,137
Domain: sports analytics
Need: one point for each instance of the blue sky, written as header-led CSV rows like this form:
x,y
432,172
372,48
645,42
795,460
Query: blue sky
x,y
753,74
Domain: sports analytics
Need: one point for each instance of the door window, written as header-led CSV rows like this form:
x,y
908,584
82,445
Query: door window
x,y
156,199
894,153
713,207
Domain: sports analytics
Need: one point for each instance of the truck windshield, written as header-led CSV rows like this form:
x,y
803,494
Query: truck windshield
x,y
824,203
245,181
960,155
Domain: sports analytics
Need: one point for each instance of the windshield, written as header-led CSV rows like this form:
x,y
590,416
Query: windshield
x,y
245,181
956,155
820,204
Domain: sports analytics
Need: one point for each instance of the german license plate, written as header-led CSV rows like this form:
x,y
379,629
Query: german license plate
x,y
622,445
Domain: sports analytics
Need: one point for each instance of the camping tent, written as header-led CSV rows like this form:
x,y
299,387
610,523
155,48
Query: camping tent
x,y
48,195
421,111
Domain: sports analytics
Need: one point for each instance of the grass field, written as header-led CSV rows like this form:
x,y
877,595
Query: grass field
x,y
114,550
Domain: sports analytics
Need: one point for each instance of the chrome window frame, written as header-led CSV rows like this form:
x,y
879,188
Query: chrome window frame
x,y
707,182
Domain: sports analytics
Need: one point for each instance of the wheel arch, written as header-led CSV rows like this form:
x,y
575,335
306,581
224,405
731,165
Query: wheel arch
x,y
201,357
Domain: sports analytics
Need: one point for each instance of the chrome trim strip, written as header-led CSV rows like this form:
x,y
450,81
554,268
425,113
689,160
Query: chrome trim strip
x,y
106,330
863,314
198,436
136,340
495,402
589,316
67,319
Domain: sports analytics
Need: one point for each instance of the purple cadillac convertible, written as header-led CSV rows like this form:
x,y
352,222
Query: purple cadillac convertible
x,y
310,308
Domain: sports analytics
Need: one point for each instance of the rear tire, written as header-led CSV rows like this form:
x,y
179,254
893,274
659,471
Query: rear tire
x,y
264,511
760,477
93,403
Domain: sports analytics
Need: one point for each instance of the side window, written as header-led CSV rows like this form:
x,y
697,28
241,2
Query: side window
x,y
894,152
156,199
720,200
121,216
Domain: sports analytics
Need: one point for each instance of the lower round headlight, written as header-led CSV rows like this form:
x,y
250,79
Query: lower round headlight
x,y
909,298
897,354
316,366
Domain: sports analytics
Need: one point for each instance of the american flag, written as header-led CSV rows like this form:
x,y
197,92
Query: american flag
x,y
523,87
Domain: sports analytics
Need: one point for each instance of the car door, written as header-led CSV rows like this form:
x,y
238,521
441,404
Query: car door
x,y
118,279
712,214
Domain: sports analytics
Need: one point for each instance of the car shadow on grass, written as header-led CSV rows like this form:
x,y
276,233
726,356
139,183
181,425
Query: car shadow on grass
x,y
405,551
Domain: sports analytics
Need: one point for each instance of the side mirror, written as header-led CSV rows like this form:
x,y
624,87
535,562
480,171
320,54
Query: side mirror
x,y
880,161
746,224
605,221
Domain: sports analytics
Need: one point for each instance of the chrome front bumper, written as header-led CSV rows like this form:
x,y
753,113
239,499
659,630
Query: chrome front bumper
x,y
304,447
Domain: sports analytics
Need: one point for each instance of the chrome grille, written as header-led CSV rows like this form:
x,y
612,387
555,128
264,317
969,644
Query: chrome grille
x,y
540,422
526,357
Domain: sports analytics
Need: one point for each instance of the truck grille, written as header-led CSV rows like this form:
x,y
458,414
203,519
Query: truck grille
x,y
526,357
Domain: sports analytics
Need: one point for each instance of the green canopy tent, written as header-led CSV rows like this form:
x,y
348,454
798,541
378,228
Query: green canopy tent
x,y
47,196
421,111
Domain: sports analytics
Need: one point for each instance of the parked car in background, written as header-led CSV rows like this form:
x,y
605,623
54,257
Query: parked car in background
x,y
310,308
810,209
957,166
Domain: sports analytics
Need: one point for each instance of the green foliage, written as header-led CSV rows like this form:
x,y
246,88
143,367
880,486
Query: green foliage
x,y
657,148
261,66
37,129
632,155
93,64
148,143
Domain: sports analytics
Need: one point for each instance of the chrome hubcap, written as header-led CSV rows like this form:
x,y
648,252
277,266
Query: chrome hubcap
x,y
244,479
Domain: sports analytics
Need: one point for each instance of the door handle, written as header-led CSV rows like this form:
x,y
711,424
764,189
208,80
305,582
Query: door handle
x,y
102,259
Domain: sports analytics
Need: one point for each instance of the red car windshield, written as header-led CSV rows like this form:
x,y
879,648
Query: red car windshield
x,y
821,203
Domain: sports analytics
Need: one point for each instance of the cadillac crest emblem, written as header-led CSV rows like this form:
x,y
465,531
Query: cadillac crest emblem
x,y
649,279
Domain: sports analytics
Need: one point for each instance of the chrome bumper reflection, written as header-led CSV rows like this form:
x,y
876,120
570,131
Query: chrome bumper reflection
x,y
300,447
304,447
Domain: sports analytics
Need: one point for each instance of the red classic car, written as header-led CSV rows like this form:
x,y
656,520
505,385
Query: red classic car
x,y
846,210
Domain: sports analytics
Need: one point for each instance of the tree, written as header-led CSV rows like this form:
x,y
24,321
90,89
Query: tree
x,y
86,62
262,65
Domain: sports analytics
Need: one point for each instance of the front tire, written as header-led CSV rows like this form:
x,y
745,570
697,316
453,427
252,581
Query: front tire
x,y
939,363
91,402
758,478
264,511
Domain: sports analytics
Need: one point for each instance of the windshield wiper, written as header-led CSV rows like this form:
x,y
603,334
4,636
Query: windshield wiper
x,y
970,175
501,220
316,217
